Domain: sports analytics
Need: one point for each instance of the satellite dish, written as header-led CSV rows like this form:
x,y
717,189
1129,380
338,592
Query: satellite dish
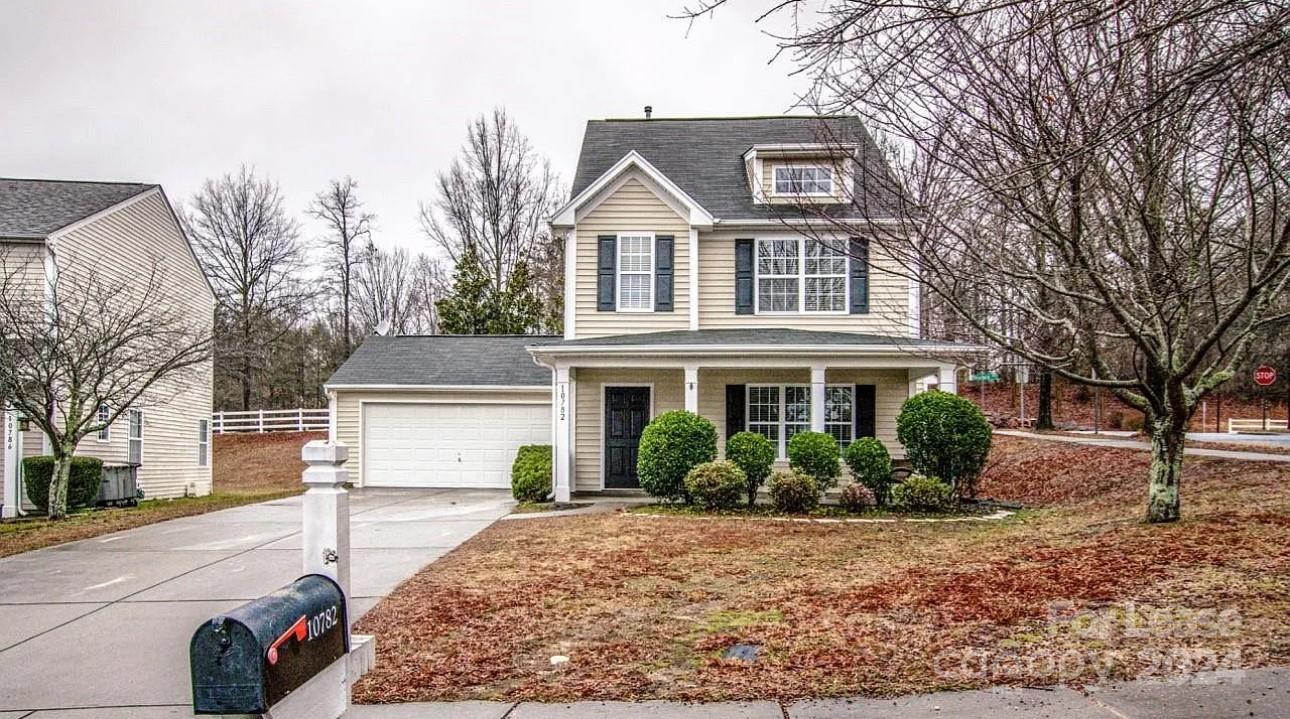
x,y
383,328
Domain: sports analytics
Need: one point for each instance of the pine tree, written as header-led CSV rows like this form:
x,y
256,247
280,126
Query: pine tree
x,y
471,307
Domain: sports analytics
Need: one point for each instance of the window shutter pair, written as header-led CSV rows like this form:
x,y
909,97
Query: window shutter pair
x,y
607,271
859,276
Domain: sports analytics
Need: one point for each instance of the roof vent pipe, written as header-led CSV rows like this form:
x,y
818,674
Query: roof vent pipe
x,y
649,110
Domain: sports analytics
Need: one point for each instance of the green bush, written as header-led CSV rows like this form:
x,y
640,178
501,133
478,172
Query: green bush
x,y
531,473
870,465
754,454
794,492
922,494
82,484
672,445
856,497
817,454
716,485
945,436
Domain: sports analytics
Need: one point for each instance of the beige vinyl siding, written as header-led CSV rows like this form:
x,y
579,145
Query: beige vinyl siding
x,y
888,294
633,207
668,394
26,260
349,411
126,243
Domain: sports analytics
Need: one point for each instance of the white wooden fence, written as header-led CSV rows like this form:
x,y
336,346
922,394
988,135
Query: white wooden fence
x,y
1236,426
271,420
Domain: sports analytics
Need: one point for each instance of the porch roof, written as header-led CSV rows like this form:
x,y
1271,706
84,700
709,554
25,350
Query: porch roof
x,y
746,340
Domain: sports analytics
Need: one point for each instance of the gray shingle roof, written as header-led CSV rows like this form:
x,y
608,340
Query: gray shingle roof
x,y
444,360
753,336
35,208
704,157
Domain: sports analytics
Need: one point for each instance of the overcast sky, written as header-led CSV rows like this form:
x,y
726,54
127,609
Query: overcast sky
x,y
177,91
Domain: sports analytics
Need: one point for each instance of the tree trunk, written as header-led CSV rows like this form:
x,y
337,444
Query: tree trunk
x,y
1168,436
58,485
1044,418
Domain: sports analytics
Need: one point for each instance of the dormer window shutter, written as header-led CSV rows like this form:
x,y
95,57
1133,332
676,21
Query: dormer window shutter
x,y
743,277
606,267
859,257
663,272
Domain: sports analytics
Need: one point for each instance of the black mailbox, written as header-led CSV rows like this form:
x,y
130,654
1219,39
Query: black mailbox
x,y
249,659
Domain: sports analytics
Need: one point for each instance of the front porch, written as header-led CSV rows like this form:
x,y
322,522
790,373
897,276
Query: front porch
x,y
605,396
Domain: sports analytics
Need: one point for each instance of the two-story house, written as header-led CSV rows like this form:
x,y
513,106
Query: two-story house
x,y
121,230
694,280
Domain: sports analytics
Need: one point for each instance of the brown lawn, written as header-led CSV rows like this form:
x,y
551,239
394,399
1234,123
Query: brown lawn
x,y
643,606
247,468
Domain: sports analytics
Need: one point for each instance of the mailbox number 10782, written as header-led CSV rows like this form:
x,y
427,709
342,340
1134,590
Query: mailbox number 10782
x,y
322,622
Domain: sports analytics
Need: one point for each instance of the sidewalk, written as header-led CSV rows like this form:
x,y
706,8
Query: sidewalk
x,y
1258,693
1251,456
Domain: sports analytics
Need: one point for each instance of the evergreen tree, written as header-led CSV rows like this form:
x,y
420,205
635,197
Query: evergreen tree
x,y
470,308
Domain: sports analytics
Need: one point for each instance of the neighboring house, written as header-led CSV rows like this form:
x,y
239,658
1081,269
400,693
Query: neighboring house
x,y
688,285
122,230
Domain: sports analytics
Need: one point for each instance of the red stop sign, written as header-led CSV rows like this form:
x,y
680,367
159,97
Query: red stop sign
x,y
1264,376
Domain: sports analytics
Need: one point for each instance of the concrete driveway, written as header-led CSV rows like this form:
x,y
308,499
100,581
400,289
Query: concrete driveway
x,y
100,628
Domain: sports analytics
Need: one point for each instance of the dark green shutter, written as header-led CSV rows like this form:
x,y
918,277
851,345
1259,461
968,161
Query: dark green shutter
x,y
859,253
743,277
865,416
663,272
606,267
735,394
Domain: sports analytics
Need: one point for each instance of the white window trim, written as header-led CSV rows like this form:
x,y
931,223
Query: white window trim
x,y
801,279
129,426
203,442
618,271
781,450
774,179
105,434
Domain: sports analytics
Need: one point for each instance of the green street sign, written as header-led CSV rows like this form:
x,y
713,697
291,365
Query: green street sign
x,y
984,377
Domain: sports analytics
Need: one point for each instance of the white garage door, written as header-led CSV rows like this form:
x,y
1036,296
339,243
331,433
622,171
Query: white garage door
x,y
448,445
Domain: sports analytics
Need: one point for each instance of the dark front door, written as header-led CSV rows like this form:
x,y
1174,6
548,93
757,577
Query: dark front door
x,y
626,412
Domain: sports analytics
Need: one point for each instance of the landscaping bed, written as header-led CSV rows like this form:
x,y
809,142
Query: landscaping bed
x,y
246,469
1076,590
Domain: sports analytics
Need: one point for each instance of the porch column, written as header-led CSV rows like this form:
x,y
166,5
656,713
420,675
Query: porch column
x,y
561,446
947,379
12,456
692,388
817,398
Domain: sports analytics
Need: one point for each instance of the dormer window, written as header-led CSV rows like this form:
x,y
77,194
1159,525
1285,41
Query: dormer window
x,y
809,180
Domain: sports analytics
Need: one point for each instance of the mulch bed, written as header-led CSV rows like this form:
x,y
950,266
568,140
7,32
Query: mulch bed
x,y
645,610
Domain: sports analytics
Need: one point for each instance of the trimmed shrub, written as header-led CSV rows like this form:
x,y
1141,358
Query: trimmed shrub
x,y
945,436
922,494
82,484
856,497
754,454
672,445
716,485
531,473
870,465
817,454
794,492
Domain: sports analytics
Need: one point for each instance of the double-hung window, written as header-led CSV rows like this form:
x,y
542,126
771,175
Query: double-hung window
x,y
203,441
777,412
636,272
811,180
800,275
101,418
134,436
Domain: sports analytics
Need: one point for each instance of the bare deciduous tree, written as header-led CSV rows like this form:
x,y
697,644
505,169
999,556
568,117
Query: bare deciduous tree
x,y
90,341
349,227
1107,182
251,252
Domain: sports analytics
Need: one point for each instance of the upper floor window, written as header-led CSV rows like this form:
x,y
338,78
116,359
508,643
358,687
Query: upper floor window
x,y
101,418
636,272
803,180
800,275
134,436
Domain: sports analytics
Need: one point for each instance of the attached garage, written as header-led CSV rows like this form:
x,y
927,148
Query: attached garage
x,y
440,411
416,444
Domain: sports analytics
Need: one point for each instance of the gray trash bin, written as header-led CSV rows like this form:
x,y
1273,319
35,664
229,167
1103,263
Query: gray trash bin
x,y
120,484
